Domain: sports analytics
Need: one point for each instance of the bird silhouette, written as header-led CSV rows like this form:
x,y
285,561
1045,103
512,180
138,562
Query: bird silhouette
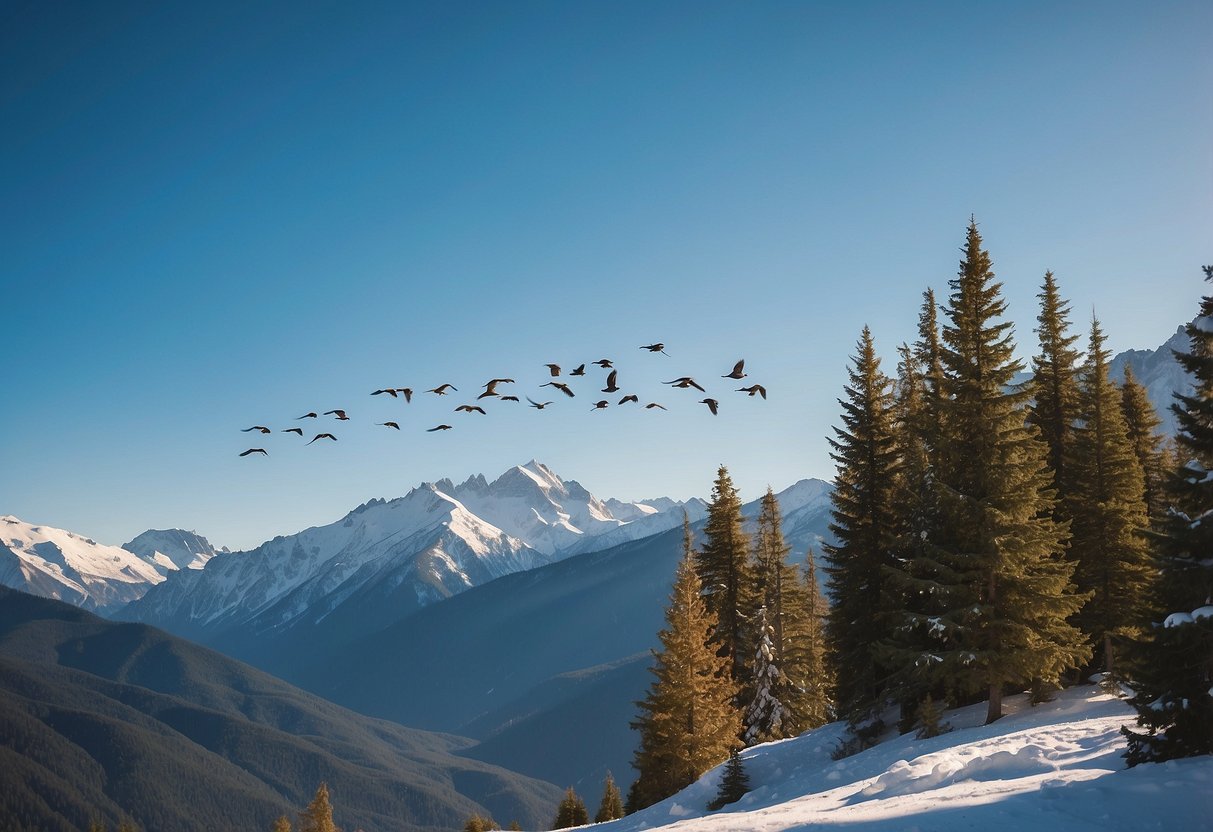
x,y
340,414
440,427
308,416
470,408
442,388
602,405
652,405
630,398
554,369
711,403
685,382
580,371
738,370
611,386
389,425
261,428
255,451
563,388
655,348
509,398
391,391
323,436
604,363
407,392
754,389
537,405
294,430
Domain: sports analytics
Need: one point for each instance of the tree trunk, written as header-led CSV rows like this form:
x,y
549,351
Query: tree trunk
x,y
995,709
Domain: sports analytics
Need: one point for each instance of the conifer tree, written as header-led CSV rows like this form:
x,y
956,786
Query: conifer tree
x,y
571,811
687,723
766,713
1005,586
1175,695
1054,386
282,824
611,807
864,525
733,784
806,657
1108,514
725,571
318,816
1141,423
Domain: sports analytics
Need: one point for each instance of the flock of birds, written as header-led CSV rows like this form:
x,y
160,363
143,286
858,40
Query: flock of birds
x,y
490,392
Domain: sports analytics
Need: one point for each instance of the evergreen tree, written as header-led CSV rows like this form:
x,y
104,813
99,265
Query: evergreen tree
x,y
1175,698
1003,581
282,824
687,723
611,807
733,785
766,714
725,572
318,816
806,657
571,812
1108,514
864,526
1054,386
476,823
1141,423
930,719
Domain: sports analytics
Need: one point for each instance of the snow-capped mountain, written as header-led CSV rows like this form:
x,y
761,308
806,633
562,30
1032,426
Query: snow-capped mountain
x,y
184,550
59,564
1159,372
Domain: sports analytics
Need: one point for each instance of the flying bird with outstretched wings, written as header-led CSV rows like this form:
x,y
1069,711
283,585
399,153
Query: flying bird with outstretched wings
x,y
754,390
711,403
738,370
323,436
261,428
340,414
255,451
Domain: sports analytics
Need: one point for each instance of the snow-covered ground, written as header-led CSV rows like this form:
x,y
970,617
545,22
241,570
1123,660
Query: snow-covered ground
x,y
1051,768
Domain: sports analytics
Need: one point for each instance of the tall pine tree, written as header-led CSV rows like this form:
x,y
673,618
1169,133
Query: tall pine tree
x,y
1141,424
318,816
1175,698
725,571
611,806
864,524
571,811
1005,585
1054,386
805,663
687,723
766,713
1108,515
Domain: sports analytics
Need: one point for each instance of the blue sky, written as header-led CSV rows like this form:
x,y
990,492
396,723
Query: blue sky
x,y
219,215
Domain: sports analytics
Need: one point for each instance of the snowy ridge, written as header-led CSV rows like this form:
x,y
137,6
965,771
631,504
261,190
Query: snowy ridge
x,y
184,550
1050,768
59,564
1160,373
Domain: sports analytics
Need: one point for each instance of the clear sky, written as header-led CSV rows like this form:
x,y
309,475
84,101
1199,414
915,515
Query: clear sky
x,y
224,214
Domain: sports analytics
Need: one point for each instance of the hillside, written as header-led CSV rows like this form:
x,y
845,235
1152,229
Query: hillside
x,y
1056,767
111,721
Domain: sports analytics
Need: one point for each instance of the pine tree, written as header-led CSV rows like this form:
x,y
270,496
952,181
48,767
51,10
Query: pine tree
x,y
806,656
1108,514
1004,583
282,824
1141,423
611,807
1175,696
930,719
687,722
733,784
766,714
477,823
725,572
1054,386
571,812
318,816
864,526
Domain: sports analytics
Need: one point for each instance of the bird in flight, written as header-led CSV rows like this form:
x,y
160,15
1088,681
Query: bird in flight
x,y
602,405
685,382
255,451
323,436
604,363
442,388
294,430
580,371
311,415
470,408
611,387
389,425
440,427
563,388
754,389
509,398
630,398
261,428
554,369
490,387
655,348
738,370
652,405
407,392
340,414
537,405
711,403
391,391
